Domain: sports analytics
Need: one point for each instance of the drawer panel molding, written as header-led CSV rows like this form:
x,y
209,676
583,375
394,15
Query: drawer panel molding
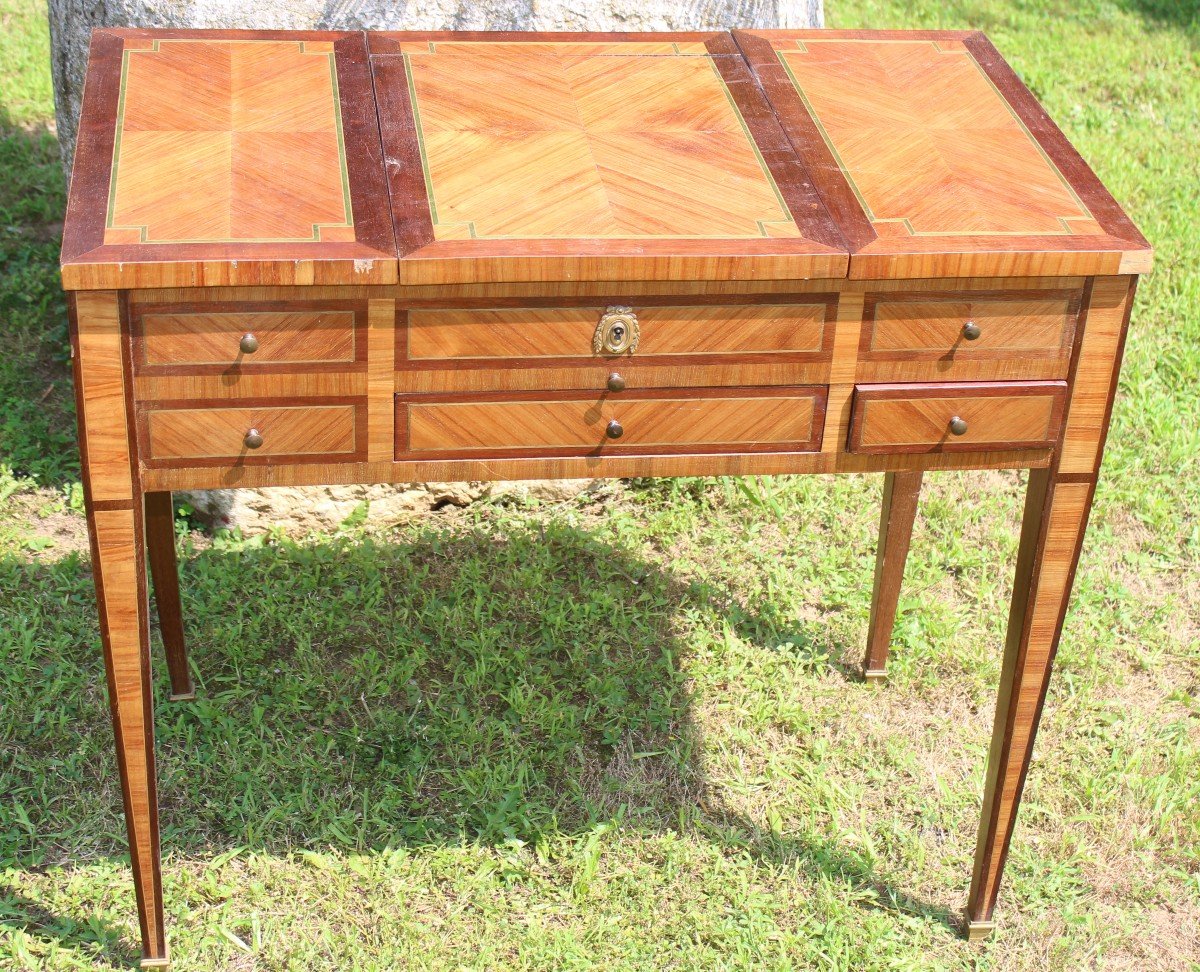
x,y
570,423
548,334
250,336
952,335
960,417
263,432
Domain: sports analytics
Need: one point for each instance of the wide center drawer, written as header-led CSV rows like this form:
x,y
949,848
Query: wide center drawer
x,y
651,345
572,423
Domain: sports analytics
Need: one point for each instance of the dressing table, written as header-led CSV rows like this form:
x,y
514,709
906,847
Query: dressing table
x,y
321,258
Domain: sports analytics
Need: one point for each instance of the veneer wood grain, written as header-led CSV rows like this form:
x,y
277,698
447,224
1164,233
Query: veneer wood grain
x,y
734,462
935,160
613,164
1094,388
278,135
901,492
918,418
526,375
111,490
164,570
1056,514
184,336
175,432
704,420
566,332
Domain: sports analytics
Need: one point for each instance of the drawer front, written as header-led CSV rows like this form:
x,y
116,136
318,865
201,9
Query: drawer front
x,y
249,336
547,333
965,417
968,335
665,422
204,436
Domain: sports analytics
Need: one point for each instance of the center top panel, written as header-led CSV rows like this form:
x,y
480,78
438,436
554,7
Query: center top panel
x,y
592,157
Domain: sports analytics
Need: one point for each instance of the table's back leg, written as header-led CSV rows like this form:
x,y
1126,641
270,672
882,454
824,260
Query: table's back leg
x,y
1056,513
164,571
901,490
116,527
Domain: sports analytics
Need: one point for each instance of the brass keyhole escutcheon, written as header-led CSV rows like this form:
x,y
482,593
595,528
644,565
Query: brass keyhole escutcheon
x,y
617,332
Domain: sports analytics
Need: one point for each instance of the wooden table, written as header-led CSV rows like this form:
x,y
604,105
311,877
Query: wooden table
x,y
317,258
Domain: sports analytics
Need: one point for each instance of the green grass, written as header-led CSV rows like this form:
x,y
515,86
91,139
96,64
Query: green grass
x,y
623,732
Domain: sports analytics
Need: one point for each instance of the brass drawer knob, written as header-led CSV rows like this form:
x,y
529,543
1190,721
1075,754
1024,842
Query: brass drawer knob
x,y
616,383
248,344
253,440
958,425
971,331
617,332
615,430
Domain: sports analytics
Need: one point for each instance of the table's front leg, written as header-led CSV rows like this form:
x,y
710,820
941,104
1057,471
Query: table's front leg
x,y
116,523
1056,513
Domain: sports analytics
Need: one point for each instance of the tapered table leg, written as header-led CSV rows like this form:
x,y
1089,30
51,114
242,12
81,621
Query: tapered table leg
x,y
116,528
1056,513
164,571
901,491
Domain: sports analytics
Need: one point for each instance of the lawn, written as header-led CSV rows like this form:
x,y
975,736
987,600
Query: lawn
x,y
625,732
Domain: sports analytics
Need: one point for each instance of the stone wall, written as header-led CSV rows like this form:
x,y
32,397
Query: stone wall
x,y
71,23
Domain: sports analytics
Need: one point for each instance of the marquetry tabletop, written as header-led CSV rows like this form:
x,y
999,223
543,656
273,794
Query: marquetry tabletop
x,y
258,158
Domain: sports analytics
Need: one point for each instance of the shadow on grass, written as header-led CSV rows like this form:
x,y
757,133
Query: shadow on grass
x,y
1177,14
92,939
465,683
37,424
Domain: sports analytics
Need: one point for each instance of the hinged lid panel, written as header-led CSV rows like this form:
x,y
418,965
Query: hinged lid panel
x,y
209,157
936,160
590,157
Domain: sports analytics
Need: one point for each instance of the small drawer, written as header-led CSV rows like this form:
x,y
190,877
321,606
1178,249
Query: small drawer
x,y
710,420
991,334
174,434
543,334
196,338
966,417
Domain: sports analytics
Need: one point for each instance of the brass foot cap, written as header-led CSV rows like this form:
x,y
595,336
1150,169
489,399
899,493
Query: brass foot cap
x,y
187,696
156,963
977,931
875,676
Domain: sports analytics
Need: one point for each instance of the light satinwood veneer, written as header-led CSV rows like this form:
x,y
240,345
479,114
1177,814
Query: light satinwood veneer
x,y
298,433
559,332
704,421
202,337
834,243
956,418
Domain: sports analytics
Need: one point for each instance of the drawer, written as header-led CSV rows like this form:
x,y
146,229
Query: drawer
x,y
989,334
549,334
175,434
175,338
966,417
710,420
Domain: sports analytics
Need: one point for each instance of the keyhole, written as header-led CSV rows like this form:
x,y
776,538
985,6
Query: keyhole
x,y
618,333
